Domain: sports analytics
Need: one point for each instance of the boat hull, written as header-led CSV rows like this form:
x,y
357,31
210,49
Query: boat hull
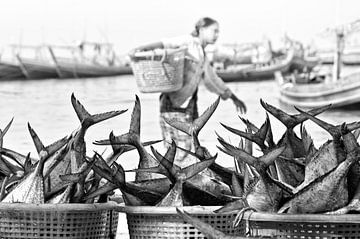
x,y
256,72
343,92
79,70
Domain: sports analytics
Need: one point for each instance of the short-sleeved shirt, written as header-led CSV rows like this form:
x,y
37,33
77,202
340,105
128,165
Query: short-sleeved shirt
x,y
197,69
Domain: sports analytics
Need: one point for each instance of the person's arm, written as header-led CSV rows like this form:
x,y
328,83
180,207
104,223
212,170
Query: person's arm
x,y
215,84
147,47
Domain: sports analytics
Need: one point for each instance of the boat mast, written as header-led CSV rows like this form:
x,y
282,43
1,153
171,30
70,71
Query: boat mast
x,y
340,42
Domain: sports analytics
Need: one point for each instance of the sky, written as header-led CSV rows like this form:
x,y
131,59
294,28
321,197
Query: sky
x,y
127,24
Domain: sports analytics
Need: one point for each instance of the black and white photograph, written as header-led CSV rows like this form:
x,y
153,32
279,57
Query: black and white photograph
x,y
179,119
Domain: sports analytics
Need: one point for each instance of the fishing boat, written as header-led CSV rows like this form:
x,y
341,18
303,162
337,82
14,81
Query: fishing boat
x,y
37,69
351,57
313,90
259,71
318,91
44,62
10,70
304,63
73,68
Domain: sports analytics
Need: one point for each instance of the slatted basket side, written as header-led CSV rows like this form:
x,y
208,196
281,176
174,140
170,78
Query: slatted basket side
x,y
164,222
48,221
160,71
309,226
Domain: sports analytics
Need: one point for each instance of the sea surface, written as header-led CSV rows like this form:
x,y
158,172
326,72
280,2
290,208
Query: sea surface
x,y
46,106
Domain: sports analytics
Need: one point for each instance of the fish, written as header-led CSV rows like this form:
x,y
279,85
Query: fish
x,y
175,197
119,149
221,174
194,127
217,171
288,171
2,134
8,167
116,176
352,206
86,120
331,154
257,137
190,128
146,160
49,154
31,187
211,189
75,190
263,194
329,191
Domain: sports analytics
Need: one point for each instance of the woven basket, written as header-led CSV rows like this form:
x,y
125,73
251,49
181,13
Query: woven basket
x,y
159,71
163,222
90,221
303,225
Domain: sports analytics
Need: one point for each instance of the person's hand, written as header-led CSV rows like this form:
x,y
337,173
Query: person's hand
x,y
132,52
239,104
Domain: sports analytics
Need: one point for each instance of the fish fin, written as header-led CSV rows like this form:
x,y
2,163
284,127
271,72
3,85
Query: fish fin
x,y
166,166
252,137
204,117
86,118
37,142
3,132
182,126
191,170
272,155
283,117
135,117
238,153
80,110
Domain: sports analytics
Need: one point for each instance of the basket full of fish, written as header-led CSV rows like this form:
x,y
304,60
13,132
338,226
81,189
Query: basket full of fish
x,y
59,193
292,190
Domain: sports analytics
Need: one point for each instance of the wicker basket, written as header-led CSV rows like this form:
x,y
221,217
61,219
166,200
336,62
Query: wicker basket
x,y
164,222
303,225
159,71
90,221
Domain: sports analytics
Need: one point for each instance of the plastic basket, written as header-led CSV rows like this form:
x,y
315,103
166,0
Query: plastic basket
x,y
159,71
163,222
90,221
302,225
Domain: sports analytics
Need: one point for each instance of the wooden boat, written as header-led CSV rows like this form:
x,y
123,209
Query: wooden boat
x,y
10,70
307,92
337,89
351,57
304,63
44,64
76,69
254,72
37,69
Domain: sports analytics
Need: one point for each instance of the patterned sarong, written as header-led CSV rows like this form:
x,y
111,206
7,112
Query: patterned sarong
x,y
170,133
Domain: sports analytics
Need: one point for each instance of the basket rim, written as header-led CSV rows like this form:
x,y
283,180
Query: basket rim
x,y
157,52
58,207
248,216
168,210
305,218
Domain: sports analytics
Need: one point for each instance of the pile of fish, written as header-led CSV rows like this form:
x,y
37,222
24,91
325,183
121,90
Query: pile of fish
x,y
62,173
291,175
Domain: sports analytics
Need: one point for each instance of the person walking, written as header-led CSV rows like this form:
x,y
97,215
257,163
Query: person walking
x,y
182,104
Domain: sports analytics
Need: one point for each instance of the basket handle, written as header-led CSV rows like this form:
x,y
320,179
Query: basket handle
x,y
163,64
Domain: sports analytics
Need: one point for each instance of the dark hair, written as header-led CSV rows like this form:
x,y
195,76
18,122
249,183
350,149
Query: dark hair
x,y
201,23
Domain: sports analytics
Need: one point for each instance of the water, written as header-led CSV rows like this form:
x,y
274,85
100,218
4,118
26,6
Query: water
x,y
46,105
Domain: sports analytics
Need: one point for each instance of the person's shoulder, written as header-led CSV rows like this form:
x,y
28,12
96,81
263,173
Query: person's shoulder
x,y
180,40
